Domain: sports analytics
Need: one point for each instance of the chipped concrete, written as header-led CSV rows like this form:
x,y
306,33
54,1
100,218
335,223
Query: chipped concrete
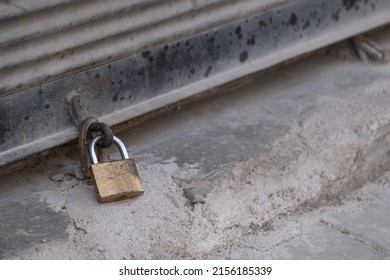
x,y
292,166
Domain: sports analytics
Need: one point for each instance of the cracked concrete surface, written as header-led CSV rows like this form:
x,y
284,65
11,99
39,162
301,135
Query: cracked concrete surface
x,y
292,166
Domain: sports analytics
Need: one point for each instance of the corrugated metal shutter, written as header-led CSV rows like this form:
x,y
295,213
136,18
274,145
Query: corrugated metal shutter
x,y
42,40
62,61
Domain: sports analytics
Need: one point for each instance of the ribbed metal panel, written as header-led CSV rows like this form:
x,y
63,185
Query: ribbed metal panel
x,y
43,40
15,8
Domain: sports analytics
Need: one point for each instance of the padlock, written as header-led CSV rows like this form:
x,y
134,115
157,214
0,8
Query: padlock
x,y
114,180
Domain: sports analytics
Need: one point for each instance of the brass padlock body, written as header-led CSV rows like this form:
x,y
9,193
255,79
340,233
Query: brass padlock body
x,y
116,180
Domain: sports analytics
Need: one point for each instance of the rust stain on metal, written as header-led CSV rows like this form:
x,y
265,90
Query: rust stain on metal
x,y
98,80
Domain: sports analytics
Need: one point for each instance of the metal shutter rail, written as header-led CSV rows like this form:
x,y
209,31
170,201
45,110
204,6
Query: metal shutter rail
x,y
150,55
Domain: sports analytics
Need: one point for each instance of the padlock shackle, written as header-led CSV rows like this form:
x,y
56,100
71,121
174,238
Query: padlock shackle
x,y
118,143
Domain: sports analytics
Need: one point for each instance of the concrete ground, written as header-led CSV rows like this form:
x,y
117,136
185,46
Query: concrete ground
x,y
293,166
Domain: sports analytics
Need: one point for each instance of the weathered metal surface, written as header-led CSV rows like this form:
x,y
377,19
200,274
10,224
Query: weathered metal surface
x,y
51,42
39,118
